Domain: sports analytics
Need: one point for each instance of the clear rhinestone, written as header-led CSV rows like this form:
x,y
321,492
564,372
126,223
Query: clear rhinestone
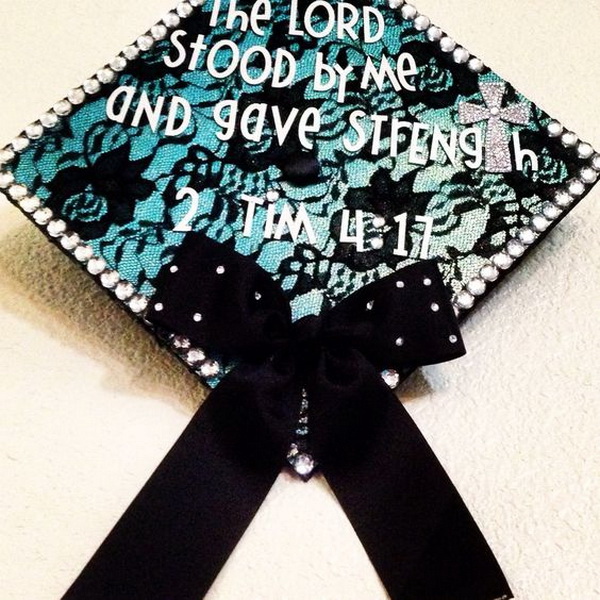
x,y
30,204
447,44
391,378
527,236
400,342
197,317
476,286
502,260
49,119
138,304
555,129
109,279
489,273
569,139
563,199
378,221
257,296
20,143
159,32
434,34
515,248
106,75
377,243
435,307
63,108
34,131
124,290
174,269
427,282
370,305
422,23
465,300
539,223
96,266
273,195
476,65
303,464
131,52
145,42
159,306
596,162
70,241
453,339
56,227
585,150
409,12
118,63
551,211
195,356
76,96
395,4
83,253
6,179
42,216
220,270
576,188
184,9
211,368
589,175
6,156
17,192
171,20
91,86
400,284
461,55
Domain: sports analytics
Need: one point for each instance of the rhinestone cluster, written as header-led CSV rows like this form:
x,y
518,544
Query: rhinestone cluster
x,y
301,462
436,35
194,357
298,456
106,75
540,222
58,230
551,210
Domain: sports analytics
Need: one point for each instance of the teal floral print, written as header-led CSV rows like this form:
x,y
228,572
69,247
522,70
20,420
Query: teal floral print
x,y
118,185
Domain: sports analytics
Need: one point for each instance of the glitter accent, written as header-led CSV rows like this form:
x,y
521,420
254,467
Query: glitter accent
x,y
497,139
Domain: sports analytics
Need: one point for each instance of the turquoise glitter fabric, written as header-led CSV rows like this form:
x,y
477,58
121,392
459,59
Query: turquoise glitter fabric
x,y
117,184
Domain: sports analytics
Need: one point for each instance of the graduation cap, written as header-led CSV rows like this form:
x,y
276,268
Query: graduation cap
x,y
264,185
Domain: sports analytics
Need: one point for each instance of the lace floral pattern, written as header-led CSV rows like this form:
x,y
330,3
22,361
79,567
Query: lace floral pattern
x,y
117,185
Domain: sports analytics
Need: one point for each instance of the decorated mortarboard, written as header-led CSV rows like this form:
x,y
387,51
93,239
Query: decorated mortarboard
x,y
302,199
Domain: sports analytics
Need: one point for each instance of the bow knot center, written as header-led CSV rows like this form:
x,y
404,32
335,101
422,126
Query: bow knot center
x,y
307,336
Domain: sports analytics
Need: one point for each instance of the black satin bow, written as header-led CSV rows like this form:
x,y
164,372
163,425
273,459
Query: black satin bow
x,y
177,534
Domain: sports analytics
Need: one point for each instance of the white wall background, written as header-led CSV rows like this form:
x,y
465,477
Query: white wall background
x,y
89,404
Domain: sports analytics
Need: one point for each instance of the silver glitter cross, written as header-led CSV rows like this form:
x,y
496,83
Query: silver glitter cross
x,y
497,137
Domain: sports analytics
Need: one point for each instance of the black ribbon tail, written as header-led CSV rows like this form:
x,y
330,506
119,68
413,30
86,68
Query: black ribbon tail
x,y
413,524
180,530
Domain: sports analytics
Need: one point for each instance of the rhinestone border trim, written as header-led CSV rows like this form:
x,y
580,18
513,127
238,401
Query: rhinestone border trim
x,y
56,229
464,301
517,248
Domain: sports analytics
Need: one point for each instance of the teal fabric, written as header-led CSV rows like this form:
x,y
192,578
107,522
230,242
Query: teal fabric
x,y
116,184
